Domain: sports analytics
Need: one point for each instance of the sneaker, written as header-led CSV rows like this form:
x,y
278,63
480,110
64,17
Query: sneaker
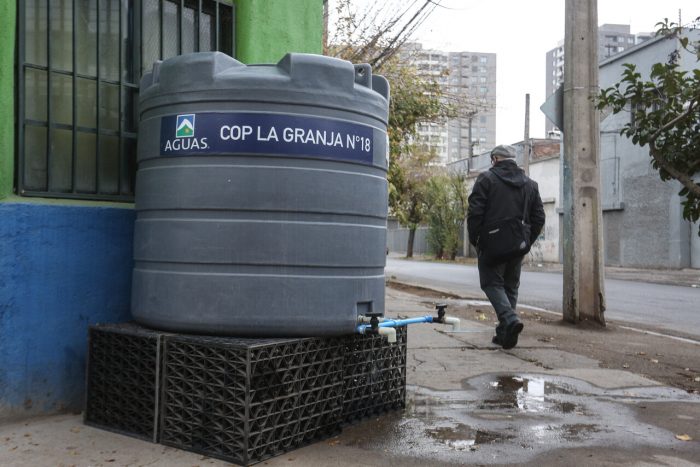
x,y
497,340
510,338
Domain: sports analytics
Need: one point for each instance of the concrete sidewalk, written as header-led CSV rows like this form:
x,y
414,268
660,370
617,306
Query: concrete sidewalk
x,y
468,402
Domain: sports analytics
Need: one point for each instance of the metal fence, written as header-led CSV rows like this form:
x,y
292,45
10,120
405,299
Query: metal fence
x,y
79,63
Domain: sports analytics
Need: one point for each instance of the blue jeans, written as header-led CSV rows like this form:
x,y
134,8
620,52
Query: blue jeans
x,y
500,283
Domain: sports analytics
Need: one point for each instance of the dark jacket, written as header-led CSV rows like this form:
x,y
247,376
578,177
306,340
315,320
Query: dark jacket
x,y
499,193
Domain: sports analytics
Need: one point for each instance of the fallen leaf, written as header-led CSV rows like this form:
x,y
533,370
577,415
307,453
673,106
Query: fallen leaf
x,y
481,317
653,360
625,365
684,437
641,353
333,442
697,379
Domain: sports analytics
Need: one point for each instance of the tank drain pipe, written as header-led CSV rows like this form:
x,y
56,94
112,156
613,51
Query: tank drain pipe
x,y
384,326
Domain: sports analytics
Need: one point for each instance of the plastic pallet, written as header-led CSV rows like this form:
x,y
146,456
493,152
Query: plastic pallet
x,y
124,363
246,400
374,374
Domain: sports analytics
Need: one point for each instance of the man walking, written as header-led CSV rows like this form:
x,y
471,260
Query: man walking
x,y
505,217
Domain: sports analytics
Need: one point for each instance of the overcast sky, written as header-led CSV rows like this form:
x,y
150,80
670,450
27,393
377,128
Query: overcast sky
x,y
521,32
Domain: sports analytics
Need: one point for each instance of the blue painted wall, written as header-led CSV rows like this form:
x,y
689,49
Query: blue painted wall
x,y
61,268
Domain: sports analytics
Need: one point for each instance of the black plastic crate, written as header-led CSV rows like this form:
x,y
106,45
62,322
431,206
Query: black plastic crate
x,y
123,373
245,400
374,374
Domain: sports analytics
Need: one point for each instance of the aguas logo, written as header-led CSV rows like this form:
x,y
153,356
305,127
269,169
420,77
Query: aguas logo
x,y
184,126
184,136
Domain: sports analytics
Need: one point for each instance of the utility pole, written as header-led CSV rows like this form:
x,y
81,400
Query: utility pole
x,y
526,137
584,273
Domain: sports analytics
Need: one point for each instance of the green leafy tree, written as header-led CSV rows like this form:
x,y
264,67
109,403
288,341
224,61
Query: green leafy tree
x,y
408,179
414,100
665,111
446,208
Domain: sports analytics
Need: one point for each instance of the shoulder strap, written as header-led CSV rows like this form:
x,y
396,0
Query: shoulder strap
x,y
525,210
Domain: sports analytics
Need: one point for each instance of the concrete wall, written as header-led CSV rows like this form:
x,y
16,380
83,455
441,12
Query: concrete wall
x,y
546,174
65,265
397,239
62,267
642,217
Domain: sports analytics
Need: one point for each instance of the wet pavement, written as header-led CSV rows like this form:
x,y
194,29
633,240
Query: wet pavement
x,y
508,418
468,403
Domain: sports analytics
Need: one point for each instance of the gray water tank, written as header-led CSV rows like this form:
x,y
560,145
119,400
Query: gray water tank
x,y
261,196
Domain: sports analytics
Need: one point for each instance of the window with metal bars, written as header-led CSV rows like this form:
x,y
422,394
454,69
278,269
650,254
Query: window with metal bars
x,y
79,64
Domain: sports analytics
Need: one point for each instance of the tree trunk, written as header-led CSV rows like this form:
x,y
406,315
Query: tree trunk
x,y
411,237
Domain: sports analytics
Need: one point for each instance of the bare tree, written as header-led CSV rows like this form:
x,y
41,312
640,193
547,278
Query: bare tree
x,y
376,33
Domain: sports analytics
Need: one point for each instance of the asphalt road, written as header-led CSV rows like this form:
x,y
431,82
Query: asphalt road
x,y
674,309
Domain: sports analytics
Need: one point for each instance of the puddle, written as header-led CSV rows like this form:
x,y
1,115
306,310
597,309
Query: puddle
x,y
512,418
463,437
535,394
573,432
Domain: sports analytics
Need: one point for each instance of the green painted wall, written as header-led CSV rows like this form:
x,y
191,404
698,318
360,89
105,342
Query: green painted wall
x,y
7,90
267,29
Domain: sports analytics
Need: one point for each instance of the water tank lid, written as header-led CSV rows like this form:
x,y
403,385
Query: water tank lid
x,y
301,79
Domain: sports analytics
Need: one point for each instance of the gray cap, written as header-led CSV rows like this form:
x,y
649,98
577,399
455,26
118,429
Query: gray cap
x,y
504,150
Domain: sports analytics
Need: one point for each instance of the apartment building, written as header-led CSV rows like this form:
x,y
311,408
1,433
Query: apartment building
x,y
468,80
